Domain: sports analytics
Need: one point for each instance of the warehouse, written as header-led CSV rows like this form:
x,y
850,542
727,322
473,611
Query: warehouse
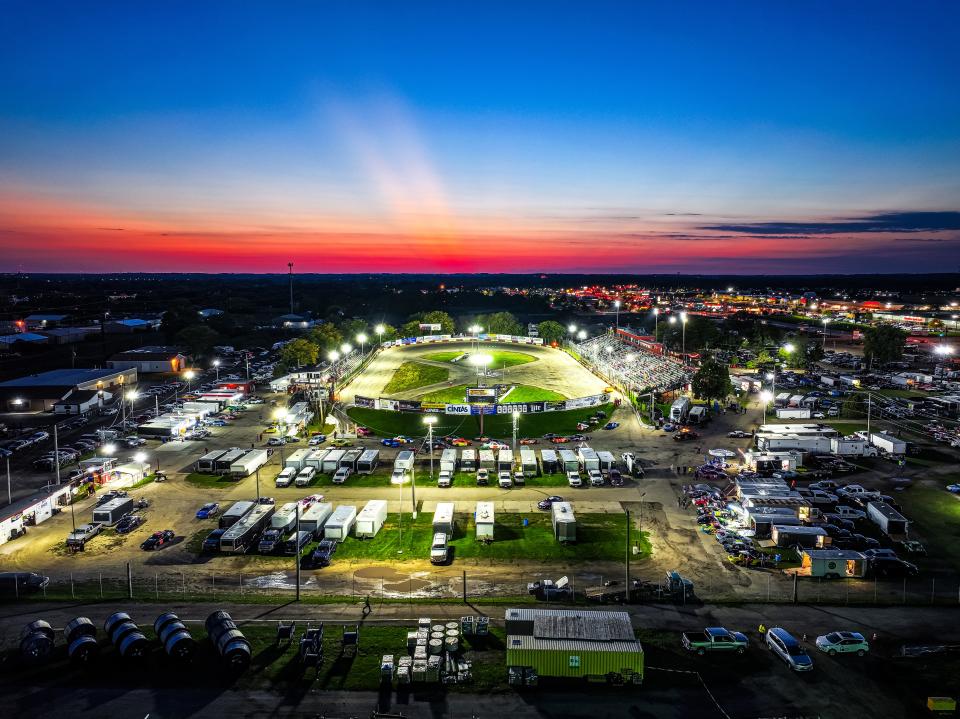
x,y
149,359
30,511
40,392
597,646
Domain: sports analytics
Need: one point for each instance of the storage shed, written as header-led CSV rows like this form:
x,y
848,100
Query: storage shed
x,y
340,523
598,646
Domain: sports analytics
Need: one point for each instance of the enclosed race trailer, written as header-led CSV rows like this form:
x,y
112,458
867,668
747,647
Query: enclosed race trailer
x,y
368,461
588,458
237,511
109,513
208,462
484,520
297,459
339,524
528,462
549,459
468,460
404,461
697,414
607,462
226,460
449,458
443,518
315,458
331,462
568,461
285,518
505,460
249,463
890,521
350,459
564,522
371,518
487,460
888,444
784,535
315,516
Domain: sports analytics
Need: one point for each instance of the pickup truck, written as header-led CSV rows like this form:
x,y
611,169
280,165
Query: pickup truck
x,y
715,639
78,538
270,541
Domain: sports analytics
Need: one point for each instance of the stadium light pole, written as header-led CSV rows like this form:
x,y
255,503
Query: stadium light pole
x,y
825,321
582,335
516,423
379,330
345,349
216,367
362,338
656,318
616,305
765,397
430,420
683,335
281,416
189,375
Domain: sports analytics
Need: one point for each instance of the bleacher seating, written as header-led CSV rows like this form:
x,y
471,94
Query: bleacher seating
x,y
631,367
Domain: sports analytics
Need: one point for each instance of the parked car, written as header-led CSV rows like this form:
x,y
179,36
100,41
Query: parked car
x,y
322,554
210,509
739,434
15,584
843,643
342,475
340,443
158,539
884,568
548,502
786,646
714,639
128,523
483,476
611,425
212,541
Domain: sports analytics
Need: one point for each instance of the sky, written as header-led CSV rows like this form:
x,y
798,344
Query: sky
x,y
347,137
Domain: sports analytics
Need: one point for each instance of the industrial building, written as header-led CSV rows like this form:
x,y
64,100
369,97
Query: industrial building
x,y
150,359
40,392
599,646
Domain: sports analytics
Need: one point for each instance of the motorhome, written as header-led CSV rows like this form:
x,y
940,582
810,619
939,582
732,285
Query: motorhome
x,y
246,533
564,522
484,521
680,409
237,511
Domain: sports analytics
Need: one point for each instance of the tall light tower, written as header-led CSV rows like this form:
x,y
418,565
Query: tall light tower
x,y
616,305
430,420
290,266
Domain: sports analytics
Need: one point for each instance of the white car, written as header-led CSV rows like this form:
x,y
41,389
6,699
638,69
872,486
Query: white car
x,y
846,512
504,480
341,475
483,476
573,479
843,643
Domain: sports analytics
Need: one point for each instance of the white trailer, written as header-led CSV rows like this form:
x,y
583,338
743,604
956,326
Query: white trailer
x,y
207,463
564,522
448,458
225,461
487,460
768,443
285,518
528,462
793,412
888,444
588,458
339,524
680,409
371,518
443,518
607,462
795,401
331,462
782,399
568,461
484,520
109,513
314,517
468,460
852,447
505,460
697,414
249,463
404,460
297,459
368,461
890,521
315,458
549,459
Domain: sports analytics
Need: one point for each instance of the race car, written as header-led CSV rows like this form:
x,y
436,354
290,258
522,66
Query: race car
x,y
158,539
460,442
208,510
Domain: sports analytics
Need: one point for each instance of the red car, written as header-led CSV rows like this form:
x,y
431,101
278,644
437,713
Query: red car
x,y
460,442
529,440
158,539
364,432
560,440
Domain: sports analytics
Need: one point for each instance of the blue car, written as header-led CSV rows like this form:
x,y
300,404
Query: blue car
x,y
611,425
208,510
391,442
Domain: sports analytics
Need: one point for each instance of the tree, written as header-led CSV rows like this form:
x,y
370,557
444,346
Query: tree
x,y
389,333
883,344
325,336
351,328
551,331
197,339
178,316
412,327
712,380
701,333
300,352
500,323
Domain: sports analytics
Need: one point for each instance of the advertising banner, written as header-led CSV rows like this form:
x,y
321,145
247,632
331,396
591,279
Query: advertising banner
x,y
457,409
555,406
483,409
430,327
433,406
408,405
481,395
388,404
365,401
591,401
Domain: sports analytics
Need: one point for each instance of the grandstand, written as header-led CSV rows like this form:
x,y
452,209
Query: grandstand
x,y
631,367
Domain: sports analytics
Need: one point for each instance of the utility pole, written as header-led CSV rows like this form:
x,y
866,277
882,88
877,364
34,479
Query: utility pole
x,y
869,407
9,490
413,487
290,265
56,453
626,576
296,556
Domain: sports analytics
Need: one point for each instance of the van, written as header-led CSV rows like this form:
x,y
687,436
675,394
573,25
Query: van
x,y
785,646
439,553
286,476
504,480
483,477
443,480
305,476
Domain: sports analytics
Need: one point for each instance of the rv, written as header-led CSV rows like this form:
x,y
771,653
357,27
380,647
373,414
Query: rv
x,y
697,414
443,518
246,533
368,461
315,516
331,462
589,459
286,477
468,460
207,463
249,463
564,522
484,520
339,524
297,459
680,409
233,515
371,518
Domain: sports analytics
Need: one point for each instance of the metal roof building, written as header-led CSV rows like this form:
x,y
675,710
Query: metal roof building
x,y
573,643
40,392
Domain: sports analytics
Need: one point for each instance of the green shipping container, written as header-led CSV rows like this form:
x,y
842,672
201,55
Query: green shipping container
x,y
576,658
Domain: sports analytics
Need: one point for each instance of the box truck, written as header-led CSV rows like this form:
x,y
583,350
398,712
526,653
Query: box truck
x,y
339,524
371,518
484,520
113,511
249,463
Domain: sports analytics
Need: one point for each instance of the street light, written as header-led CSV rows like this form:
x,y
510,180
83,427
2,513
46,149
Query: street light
x,y
683,324
362,339
345,349
379,329
334,355
765,397
130,395
140,457
109,449
582,335
571,328
430,420
189,375
216,366
616,305
825,321
656,318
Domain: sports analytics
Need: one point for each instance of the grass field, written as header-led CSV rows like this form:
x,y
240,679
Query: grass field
x,y
212,481
935,518
599,537
448,395
390,424
500,359
529,393
411,375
